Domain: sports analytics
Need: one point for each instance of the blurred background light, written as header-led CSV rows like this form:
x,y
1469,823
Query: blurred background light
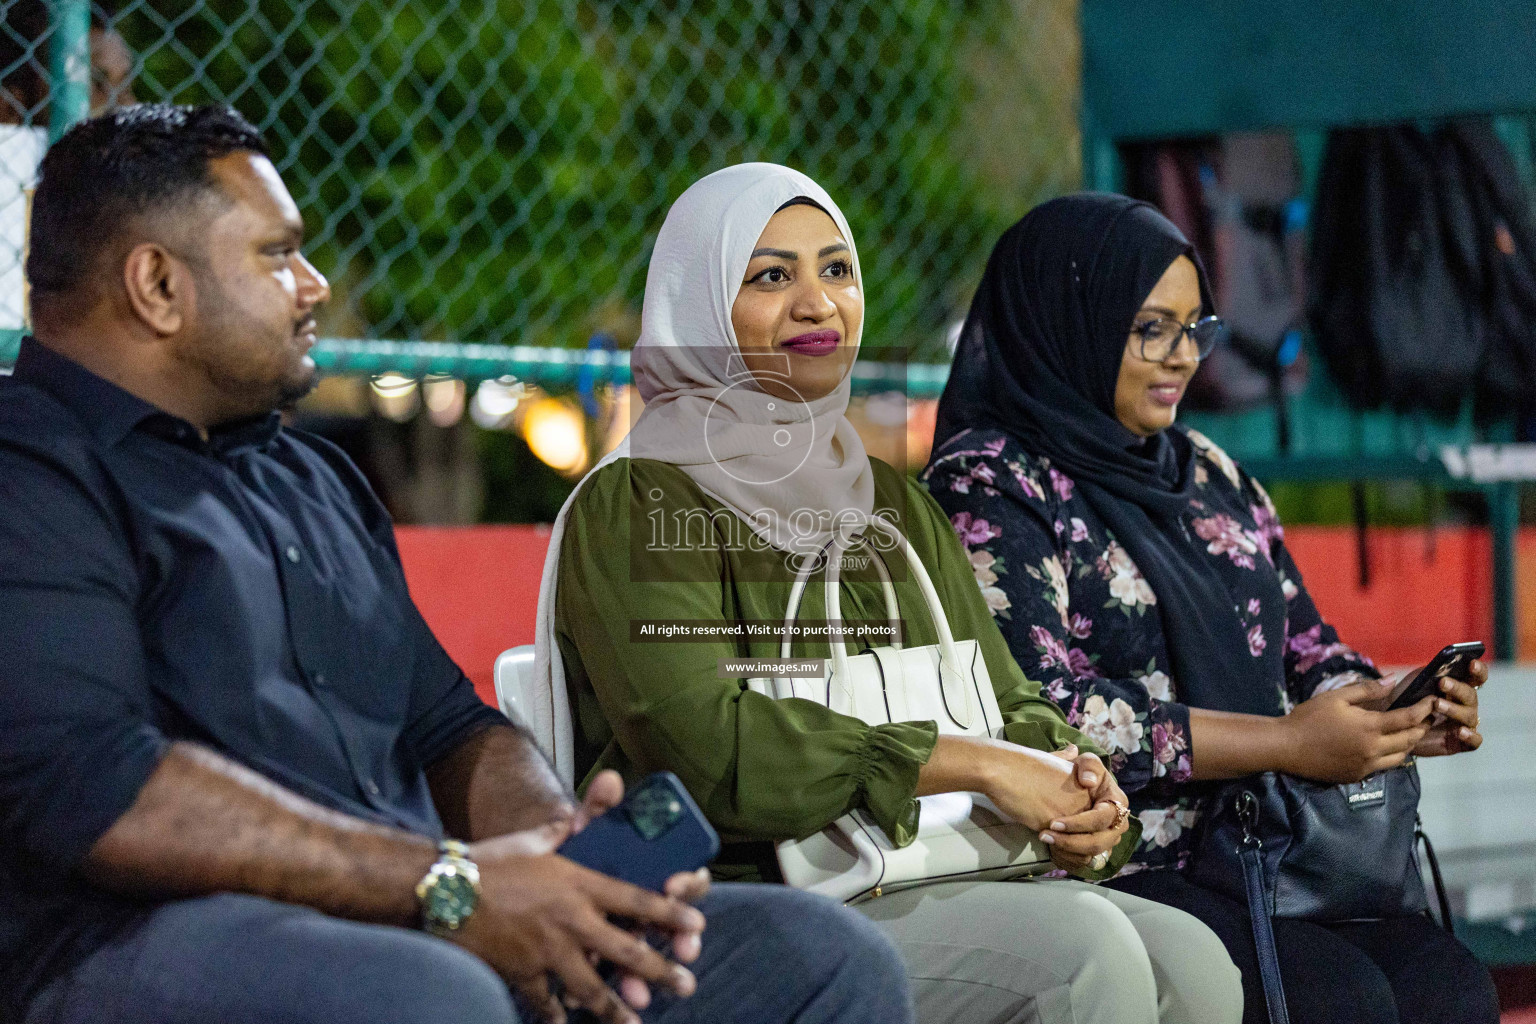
x,y
556,433
444,398
495,402
395,396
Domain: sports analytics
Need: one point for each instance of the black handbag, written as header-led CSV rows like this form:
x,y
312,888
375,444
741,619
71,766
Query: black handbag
x,y
1288,847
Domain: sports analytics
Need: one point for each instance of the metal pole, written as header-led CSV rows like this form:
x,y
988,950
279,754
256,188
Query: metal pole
x,y
1504,518
1098,154
69,66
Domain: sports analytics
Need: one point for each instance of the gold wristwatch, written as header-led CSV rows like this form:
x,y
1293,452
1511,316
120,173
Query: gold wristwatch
x,y
450,890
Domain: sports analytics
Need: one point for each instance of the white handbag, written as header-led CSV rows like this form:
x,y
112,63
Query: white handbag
x,y
959,835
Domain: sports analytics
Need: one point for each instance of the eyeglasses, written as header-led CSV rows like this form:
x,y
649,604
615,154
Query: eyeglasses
x,y
1158,337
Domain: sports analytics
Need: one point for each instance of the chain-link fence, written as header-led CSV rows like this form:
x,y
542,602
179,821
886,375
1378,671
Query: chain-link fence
x,y
495,170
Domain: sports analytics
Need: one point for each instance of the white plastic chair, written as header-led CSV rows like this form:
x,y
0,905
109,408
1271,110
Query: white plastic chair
x,y
514,688
517,696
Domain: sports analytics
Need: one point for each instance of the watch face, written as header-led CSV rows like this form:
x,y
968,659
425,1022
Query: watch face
x,y
450,900
653,809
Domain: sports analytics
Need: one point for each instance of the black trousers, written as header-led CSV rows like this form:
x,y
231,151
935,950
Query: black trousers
x,y
1404,970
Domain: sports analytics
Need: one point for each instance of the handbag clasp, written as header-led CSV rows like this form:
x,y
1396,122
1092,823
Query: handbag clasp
x,y
1247,807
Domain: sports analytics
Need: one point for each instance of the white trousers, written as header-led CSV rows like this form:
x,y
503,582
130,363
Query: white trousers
x,y
1056,951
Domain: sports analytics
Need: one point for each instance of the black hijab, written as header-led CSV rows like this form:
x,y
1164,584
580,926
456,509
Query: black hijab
x,y
1039,359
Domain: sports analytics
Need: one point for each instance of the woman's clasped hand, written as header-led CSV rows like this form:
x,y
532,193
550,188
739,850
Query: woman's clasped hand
x,y
1085,839
1068,797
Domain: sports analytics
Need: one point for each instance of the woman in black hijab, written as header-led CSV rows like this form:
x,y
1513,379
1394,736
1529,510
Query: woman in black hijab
x,y
1143,578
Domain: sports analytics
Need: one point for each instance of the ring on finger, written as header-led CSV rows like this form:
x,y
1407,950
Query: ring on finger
x,y
1122,812
1099,861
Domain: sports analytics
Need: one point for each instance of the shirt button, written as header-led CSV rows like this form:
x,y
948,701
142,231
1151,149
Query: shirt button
x,y
372,787
319,678
293,554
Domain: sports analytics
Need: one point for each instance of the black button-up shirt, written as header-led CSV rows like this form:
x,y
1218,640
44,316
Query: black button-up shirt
x,y
242,592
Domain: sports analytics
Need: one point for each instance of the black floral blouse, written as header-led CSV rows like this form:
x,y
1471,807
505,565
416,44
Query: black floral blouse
x,y
1080,618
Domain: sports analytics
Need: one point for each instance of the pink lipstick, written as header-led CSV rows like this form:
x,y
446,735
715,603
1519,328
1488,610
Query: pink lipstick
x,y
813,343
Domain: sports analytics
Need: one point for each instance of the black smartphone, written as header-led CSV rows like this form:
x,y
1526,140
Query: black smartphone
x,y
1452,661
655,833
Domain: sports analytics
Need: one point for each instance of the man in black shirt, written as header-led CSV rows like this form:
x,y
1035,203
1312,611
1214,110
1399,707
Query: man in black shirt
x,y
230,748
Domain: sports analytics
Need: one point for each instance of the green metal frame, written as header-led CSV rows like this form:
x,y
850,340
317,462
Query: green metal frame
x,y
1242,65
69,65
558,367
551,368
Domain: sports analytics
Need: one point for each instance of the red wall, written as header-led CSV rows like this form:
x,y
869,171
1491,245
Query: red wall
x,y
1428,588
477,587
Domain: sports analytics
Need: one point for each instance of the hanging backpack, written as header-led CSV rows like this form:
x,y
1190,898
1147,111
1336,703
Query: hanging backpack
x,y
1260,271
1394,244
1236,199
1505,281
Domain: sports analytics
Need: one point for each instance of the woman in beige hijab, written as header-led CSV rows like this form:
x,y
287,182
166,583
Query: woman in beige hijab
x,y
742,466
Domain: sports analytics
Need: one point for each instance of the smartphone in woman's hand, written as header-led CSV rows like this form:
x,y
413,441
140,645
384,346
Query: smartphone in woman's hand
x,y
1452,661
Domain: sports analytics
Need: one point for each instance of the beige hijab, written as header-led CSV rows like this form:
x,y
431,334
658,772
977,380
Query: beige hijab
x,y
792,470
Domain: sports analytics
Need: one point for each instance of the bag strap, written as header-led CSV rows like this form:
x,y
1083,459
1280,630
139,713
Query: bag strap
x,y
1434,874
1263,934
796,592
1251,856
833,551
888,591
802,578
959,697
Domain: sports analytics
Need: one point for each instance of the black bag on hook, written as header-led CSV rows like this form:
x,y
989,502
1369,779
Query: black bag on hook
x,y
1505,279
1424,270
1391,319
1236,198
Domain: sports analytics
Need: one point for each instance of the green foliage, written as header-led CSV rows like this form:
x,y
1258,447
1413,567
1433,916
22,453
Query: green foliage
x,y
495,170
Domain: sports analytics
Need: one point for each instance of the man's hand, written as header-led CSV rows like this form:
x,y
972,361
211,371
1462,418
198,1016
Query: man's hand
x,y
540,915
1455,732
1333,737
689,887
204,824
606,792
1075,840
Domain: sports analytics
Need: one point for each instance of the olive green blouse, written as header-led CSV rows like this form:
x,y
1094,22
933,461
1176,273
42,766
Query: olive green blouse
x,y
645,546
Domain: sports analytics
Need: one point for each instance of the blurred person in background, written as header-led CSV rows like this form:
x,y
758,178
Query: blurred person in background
x,y
1143,578
24,59
753,313
231,750
24,117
